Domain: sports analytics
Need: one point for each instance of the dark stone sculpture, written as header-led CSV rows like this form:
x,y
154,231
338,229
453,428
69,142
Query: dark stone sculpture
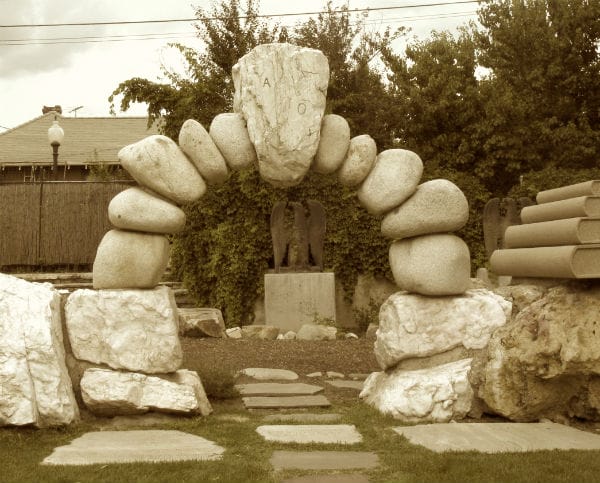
x,y
298,242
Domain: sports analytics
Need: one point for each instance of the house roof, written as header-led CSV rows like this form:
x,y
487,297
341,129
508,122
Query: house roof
x,y
87,141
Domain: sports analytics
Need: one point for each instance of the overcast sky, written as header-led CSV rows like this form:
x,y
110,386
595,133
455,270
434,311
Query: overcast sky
x,y
44,72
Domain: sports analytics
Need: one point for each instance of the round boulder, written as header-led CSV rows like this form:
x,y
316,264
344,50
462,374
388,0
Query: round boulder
x,y
230,134
137,210
437,264
437,206
359,160
127,259
333,144
157,163
195,141
392,180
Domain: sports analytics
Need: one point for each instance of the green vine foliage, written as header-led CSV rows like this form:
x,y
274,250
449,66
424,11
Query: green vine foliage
x,y
226,246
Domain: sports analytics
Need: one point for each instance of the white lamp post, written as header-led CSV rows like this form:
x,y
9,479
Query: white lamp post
x,y
55,136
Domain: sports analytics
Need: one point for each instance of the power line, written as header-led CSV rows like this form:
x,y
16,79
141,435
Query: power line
x,y
174,20
191,34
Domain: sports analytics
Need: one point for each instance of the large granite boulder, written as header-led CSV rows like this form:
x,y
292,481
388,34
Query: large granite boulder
x,y
157,163
333,145
127,259
280,89
437,264
359,160
546,361
417,326
437,206
112,393
134,330
35,387
195,141
435,395
137,210
230,134
392,180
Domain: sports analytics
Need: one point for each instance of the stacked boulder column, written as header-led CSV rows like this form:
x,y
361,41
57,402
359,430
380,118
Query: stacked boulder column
x,y
559,237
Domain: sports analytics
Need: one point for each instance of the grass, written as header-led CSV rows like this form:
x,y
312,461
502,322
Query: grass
x,y
247,456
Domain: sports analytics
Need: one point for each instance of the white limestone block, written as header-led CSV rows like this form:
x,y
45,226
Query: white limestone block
x,y
137,210
156,162
437,206
127,259
437,395
112,393
418,326
392,180
359,160
280,89
333,145
230,134
35,387
197,144
134,330
437,264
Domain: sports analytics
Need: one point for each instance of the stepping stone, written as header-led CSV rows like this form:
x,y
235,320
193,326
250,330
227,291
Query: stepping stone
x,y
310,433
102,447
347,384
335,478
358,376
499,437
266,374
277,389
323,460
304,417
234,418
274,402
336,375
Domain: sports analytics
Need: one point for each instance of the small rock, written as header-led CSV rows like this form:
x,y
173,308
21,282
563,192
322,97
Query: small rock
x,y
316,332
437,206
265,332
437,264
234,332
315,374
333,144
230,134
157,163
392,180
137,210
195,141
265,374
335,375
280,337
134,330
111,393
350,335
433,395
201,322
359,161
289,335
127,259
372,331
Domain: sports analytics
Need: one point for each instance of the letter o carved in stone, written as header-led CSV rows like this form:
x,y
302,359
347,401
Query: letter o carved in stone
x,y
301,108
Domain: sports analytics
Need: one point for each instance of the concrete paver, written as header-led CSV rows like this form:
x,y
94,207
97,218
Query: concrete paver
x,y
266,374
498,437
278,389
310,433
274,402
358,385
303,417
101,447
325,478
323,460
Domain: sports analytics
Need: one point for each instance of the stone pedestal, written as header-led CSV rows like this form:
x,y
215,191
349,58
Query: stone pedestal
x,y
294,299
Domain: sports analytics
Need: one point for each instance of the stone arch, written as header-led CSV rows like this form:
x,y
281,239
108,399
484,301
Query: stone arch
x,y
268,131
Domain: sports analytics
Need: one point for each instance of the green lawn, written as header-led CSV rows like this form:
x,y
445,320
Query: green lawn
x,y
247,455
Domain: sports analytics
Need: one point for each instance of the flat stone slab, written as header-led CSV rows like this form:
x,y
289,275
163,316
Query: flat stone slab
x,y
275,402
277,389
498,437
266,374
304,417
335,478
310,433
358,385
323,460
102,447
